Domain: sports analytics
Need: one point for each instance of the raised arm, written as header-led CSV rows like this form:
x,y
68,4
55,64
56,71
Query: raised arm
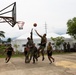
x,y
31,36
38,33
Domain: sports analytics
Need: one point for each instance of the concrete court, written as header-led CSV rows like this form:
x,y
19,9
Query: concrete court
x,y
64,65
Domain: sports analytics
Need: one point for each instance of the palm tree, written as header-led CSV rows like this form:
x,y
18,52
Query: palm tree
x,y
2,35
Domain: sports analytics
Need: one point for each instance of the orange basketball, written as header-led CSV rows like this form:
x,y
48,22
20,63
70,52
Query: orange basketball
x,y
35,24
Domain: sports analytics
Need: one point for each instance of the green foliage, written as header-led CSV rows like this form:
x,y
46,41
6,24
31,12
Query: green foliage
x,y
16,46
18,54
2,48
58,41
9,40
71,27
2,34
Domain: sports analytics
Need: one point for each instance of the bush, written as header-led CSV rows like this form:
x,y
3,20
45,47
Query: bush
x,y
2,48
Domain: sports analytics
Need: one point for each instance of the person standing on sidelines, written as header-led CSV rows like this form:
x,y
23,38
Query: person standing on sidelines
x,y
42,44
65,46
49,52
9,51
68,47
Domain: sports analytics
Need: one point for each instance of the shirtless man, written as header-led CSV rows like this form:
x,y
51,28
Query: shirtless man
x,y
42,44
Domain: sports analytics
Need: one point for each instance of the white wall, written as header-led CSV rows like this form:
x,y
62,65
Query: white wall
x,y
36,41
24,41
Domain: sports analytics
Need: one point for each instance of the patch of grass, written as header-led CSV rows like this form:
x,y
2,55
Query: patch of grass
x,y
22,55
61,53
14,55
18,55
2,56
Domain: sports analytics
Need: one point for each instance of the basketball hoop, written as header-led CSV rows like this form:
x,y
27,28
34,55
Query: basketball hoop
x,y
20,24
0,19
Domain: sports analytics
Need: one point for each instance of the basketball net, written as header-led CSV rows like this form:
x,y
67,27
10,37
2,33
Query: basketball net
x,y
20,24
0,19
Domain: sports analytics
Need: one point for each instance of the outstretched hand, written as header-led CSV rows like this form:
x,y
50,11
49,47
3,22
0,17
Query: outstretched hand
x,y
38,33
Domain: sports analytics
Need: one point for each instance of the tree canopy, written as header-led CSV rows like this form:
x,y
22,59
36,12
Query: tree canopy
x,y
71,27
58,41
2,34
9,40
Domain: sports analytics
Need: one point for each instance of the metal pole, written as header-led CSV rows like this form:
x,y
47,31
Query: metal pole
x,y
45,28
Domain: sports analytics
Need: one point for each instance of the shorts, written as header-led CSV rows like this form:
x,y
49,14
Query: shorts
x,y
42,47
49,54
9,54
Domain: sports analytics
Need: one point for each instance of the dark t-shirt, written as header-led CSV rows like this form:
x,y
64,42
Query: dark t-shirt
x,y
43,41
9,51
29,43
49,50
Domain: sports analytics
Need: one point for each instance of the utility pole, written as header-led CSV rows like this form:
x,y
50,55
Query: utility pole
x,y
45,28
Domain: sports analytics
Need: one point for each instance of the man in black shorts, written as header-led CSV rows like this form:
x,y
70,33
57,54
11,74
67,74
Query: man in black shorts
x,y
9,52
42,44
29,44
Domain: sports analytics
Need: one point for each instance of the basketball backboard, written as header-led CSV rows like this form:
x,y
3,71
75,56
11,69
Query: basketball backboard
x,y
9,19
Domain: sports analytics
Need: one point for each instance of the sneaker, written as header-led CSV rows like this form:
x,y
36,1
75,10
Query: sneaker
x,y
6,61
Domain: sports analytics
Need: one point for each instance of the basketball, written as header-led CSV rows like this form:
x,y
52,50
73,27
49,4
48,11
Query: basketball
x,y
35,24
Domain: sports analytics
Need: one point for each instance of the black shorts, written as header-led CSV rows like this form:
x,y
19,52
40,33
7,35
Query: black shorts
x,y
49,53
9,54
25,53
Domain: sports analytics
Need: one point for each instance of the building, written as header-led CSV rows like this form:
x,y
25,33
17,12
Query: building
x,y
20,41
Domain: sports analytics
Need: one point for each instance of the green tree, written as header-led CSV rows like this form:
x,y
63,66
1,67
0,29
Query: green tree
x,y
9,40
2,35
57,41
71,27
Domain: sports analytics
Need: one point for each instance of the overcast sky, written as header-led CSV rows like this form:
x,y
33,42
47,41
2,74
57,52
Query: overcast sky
x,y
55,13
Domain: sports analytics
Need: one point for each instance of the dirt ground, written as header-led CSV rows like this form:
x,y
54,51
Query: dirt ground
x,y
64,65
